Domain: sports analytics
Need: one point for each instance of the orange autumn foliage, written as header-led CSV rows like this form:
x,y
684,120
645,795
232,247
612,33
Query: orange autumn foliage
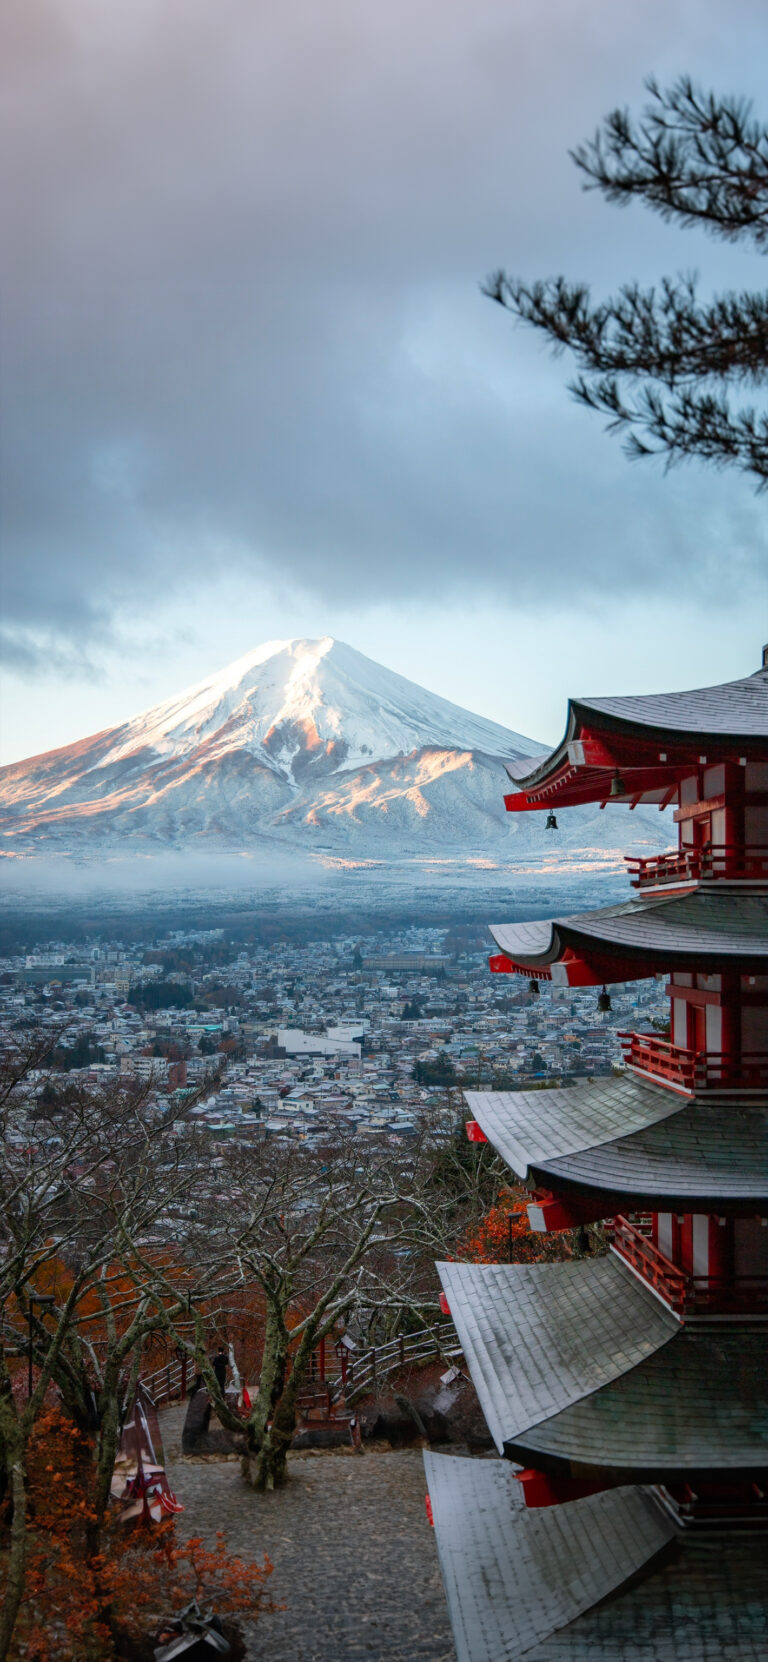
x,y
242,1323
80,1604
505,1236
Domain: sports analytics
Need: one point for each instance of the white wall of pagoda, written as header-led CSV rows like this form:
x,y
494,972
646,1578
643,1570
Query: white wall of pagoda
x,y
710,1247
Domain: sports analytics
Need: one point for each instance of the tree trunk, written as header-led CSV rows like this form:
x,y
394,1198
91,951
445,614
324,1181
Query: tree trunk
x,y
265,1465
17,1553
106,1452
274,1366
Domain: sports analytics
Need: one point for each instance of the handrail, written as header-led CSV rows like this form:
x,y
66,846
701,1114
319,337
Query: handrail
x,y
736,862
168,1383
368,1370
687,1295
643,1255
691,1071
350,1380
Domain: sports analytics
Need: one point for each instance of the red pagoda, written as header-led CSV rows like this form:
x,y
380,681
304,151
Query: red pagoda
x,y
628,1389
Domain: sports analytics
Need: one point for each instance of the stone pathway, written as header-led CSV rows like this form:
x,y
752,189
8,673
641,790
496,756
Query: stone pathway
x,y
355,1559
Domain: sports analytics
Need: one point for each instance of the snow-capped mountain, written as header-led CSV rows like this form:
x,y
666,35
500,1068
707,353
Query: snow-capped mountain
x,y
301,705
302,744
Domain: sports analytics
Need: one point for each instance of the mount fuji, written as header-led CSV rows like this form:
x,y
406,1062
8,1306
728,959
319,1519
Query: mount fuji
x,y
302,746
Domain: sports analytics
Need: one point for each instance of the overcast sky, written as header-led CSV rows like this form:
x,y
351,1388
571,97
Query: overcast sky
x,y
251,388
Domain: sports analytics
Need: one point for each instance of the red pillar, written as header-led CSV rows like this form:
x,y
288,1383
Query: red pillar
x,y
733,815
720,1253
730,1010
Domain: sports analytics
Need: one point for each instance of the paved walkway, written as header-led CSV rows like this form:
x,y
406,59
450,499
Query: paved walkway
x,y
355,1559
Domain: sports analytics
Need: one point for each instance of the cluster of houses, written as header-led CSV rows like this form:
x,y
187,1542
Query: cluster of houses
x,y
298,1039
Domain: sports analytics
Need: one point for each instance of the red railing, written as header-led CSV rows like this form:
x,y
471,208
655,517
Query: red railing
x,y
739,863
635,1246
687,1295
361,1371
690,1071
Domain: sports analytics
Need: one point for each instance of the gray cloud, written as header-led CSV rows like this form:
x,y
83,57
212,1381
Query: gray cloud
x,y
242,318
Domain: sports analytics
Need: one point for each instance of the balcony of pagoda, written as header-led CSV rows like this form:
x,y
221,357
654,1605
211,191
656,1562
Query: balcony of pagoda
x,y
685,867
693,1072
687,1295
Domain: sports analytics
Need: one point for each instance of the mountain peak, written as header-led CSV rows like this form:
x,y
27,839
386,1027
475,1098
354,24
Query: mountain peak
x,y
298,701
302,745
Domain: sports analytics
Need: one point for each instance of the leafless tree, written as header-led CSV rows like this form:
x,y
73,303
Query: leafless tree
x,y
83,1192
321,1234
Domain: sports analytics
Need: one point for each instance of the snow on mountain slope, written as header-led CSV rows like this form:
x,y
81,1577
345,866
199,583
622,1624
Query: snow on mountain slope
x,y
300,699
301,744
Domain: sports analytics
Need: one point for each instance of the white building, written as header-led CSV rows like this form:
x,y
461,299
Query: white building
x,y
295,1042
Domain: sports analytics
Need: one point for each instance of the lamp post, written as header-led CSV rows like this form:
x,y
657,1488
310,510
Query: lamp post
x,y
46,1300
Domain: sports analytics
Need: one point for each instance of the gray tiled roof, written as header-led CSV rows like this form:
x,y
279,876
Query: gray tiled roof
x,y
707,1151
700,922
536,1585
708,1605
538,1338
700,1403
737,709
527,1127
627,1137
525,940
513,1577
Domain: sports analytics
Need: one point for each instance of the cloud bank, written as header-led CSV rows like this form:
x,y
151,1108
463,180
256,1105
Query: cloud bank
x,y
243,326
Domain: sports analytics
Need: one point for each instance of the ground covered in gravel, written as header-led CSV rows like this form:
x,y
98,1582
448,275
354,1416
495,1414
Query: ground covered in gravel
x,y
355,1559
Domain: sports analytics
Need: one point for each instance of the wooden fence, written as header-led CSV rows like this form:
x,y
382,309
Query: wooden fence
x,y
349,1376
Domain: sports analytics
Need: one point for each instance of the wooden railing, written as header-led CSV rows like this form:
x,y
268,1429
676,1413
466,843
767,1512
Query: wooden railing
x,y
691,1071
737,863
687,1295
351,1379
168,1384
632,1241
368,1371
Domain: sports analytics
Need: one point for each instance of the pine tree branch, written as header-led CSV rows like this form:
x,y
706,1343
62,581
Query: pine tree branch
x,y
692,157
659,362
681,427
665,333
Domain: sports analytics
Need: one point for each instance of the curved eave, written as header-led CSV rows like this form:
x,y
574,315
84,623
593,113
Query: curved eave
x,y
578,1363
627,1141
652,742
513,1320
527,1129
606,1578
698,1404
684,930
514,1579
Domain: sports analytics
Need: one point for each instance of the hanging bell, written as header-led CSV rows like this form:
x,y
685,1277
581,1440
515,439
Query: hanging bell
x,y
551,822
533,989
604,1001
618,788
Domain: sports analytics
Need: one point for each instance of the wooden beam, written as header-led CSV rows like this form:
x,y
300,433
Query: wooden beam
x,y
692,995
697,810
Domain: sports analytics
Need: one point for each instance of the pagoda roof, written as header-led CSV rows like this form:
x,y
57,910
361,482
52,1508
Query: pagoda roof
x,y
677,930
625,1137
604,1579
538,1338
653,739
579,1362
699,1402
